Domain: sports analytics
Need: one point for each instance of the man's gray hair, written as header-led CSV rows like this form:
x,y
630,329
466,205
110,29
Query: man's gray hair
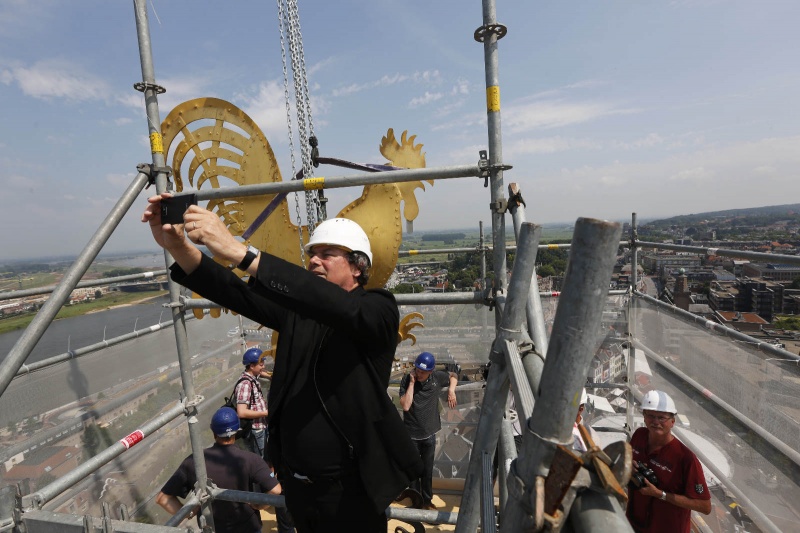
x,y
361,262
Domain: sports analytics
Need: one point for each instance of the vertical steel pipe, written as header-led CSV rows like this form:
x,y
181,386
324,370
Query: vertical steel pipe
x,y
631,369
496,395
491,68
159,163
483,311
572,343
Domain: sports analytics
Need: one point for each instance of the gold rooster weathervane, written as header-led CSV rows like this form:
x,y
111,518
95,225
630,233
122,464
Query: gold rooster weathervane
x,y
219,145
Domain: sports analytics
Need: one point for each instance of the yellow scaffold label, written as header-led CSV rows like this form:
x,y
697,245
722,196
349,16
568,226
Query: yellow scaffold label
x,y
493,99
156,143
552,247
311,184
413,252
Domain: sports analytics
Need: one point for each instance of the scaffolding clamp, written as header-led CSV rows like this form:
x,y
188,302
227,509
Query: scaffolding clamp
x,y
151,171
189,405
499,206
499,30
142,86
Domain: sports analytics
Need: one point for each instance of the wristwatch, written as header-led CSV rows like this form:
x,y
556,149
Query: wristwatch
x,y
664,495
249,256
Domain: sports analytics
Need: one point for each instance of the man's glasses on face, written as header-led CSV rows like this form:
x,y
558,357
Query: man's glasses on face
x,y
659,418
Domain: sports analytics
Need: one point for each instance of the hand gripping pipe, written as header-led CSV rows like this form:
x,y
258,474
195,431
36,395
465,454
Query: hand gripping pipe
x,y
594,247
494,399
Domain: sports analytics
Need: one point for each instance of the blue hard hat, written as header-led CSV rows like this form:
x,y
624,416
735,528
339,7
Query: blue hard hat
x,y
425,361
225,422
251,356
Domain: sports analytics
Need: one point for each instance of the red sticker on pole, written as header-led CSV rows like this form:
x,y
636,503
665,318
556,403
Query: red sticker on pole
x,y
132,439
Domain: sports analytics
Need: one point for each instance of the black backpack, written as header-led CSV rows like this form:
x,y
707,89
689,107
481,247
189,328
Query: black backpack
x,y
245,424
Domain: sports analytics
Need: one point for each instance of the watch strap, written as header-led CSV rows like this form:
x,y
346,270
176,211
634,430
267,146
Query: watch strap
x,y
249,256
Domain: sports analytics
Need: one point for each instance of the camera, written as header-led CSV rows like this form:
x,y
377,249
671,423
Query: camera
x,y
172,209
640,473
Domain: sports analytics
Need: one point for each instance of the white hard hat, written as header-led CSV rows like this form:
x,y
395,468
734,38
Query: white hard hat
x,y
657,400
341,232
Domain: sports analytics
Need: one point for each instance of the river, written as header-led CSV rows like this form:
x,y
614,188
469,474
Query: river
x,y
79,331
114,366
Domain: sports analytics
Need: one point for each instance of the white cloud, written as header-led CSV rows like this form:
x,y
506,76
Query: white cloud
x,y
60,79
425,99
22,183
121,180
765,170
122,121
692,174
521,117
461,87
267,107
429,77
6,77
648,141
547,145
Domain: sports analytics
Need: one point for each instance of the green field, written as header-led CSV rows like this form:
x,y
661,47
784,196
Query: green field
x,y
108,300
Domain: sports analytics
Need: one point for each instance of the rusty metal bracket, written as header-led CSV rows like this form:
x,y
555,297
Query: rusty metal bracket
x,y
563,469
613,468
515,196
499,30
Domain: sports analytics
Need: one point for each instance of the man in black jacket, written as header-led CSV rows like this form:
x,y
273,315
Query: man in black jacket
x,y
336,439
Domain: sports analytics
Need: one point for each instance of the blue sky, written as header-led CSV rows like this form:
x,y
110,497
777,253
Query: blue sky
x,y
608,107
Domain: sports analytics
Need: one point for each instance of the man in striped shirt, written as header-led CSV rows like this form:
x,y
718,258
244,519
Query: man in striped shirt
x,y
250,402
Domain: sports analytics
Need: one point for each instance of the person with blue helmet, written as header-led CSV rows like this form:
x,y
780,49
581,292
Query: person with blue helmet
x,y
419,398
250,401
251,404
228,467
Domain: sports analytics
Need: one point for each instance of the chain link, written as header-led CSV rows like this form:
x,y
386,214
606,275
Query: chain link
x,y
281,18
303,106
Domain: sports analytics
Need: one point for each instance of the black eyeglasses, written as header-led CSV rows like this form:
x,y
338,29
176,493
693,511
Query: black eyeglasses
x,y
660,418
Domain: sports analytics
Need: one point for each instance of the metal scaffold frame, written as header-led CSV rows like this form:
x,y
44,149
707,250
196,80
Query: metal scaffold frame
x,y
544,372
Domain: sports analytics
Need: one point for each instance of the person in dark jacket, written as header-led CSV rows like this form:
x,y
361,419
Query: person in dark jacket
x,y
229,467
419,398
336,439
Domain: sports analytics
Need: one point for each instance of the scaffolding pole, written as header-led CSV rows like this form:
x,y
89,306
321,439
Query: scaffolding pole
x,y
151,90
496,395
631,366
569,354
536,326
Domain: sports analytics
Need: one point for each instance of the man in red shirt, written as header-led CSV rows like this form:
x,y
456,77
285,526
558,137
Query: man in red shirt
x,y
681,486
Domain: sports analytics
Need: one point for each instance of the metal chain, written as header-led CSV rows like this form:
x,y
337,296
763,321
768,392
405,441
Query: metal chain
x,y
281,17
302,105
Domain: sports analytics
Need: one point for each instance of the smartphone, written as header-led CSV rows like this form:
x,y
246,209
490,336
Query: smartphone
x,y
172,209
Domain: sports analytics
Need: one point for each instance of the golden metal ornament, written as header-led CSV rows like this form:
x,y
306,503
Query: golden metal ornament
x,y
219,145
